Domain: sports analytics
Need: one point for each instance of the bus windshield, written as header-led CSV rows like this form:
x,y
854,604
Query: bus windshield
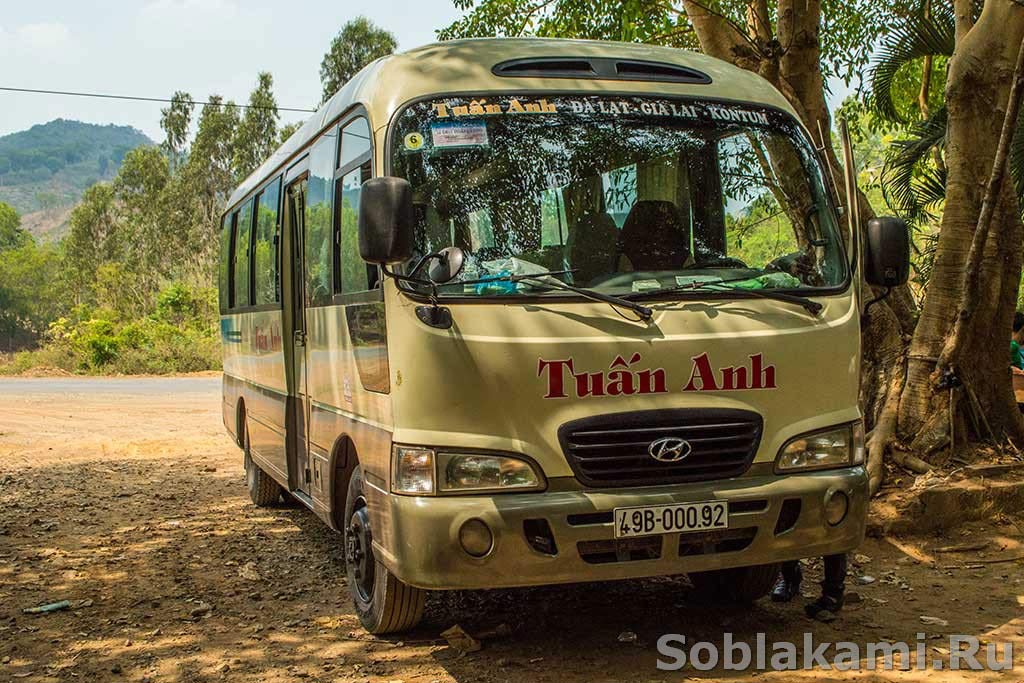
x,y
618,194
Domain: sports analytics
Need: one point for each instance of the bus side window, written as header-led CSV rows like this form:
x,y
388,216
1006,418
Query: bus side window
x,y
266,261
352,273
224,270
355,142
243,236
320,199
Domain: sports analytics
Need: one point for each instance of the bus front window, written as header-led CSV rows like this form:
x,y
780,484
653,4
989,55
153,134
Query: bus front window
x,y
624,194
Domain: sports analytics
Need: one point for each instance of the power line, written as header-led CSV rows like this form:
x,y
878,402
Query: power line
x,y
150,99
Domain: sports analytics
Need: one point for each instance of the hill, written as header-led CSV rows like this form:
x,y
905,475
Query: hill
x,y
47,167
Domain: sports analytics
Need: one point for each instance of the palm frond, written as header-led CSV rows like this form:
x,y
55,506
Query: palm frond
x,y
914,37
911,182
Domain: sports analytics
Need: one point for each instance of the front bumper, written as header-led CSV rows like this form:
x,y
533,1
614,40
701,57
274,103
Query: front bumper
x,y
420,545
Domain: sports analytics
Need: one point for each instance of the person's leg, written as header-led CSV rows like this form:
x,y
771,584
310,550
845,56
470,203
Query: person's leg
x,y
833,586
788,583
834,582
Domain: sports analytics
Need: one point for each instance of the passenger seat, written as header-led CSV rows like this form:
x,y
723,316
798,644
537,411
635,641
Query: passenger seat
x,y
654,236
592,246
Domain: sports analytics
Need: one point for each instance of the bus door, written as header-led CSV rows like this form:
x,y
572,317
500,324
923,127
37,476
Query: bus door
x,y
298,471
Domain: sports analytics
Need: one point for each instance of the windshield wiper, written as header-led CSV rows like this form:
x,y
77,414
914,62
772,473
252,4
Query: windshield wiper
x,y
546,278
812,307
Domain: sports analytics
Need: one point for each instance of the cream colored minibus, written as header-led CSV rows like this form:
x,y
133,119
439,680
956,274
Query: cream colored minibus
x,y
517,312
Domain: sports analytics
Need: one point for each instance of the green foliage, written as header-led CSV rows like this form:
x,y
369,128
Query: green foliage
x,y
200,189
28,275
849,27
175,121
94,236
256,136
50,164
902,50
287,130
12,235
913,183
643,21
761,235
914,178
131,288
31,291
179,335
359,42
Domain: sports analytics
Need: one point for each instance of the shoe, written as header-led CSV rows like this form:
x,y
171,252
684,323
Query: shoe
x,y
824,608
783,590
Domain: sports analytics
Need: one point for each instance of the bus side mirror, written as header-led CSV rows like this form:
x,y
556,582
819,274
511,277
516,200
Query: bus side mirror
x,y
887,252
385,220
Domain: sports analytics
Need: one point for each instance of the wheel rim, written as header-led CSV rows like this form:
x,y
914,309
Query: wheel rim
x,y
359,552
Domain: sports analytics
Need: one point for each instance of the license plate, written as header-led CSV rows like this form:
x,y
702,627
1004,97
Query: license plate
x,y
671,519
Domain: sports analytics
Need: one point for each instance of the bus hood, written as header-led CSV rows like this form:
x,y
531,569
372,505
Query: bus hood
x,y
506,376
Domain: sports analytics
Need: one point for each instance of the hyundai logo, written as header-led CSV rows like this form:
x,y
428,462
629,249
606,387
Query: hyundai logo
x,y
669,449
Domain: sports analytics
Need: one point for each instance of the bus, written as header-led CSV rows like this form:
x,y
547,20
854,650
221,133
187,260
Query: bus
x,y
513,312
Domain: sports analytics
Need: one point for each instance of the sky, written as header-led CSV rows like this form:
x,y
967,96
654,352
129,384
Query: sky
x,y
152,48
155,47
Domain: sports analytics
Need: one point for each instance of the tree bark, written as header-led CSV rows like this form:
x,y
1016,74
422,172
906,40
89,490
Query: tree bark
x,y
977,90
973,285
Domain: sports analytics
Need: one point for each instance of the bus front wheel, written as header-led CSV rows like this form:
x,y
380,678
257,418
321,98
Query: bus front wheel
x,y
383,603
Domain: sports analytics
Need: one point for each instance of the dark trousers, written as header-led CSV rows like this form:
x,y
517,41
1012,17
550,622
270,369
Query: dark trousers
x,y
834,581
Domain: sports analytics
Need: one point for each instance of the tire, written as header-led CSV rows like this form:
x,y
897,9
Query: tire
x,y
383,603
263,490
737,585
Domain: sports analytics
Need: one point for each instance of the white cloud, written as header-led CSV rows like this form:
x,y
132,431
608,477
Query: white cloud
x,y
190,20
43,36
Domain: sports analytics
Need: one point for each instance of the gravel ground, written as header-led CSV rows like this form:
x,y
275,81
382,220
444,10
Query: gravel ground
x,y
126,498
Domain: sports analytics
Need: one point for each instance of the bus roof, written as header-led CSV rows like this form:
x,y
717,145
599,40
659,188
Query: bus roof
x,y
466,67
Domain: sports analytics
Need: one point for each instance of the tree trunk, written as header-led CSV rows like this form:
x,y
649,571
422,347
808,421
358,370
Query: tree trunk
x,y
977,89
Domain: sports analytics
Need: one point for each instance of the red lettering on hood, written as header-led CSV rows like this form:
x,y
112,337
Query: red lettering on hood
x,y
623,379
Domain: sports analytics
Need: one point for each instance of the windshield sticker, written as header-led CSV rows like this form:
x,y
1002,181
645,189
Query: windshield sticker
x,y
684,280
468,134
413,142
623,379
646,285
664,108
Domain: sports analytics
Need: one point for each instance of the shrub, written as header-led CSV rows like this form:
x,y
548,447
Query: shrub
x,y
179,335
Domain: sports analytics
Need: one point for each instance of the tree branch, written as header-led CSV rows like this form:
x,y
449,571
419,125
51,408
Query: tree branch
x,y
530,14
682,30
963,11
759,22
719,35
926,72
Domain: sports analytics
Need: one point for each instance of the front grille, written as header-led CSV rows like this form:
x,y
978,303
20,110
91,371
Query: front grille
x,y
612,450
620,550
713,542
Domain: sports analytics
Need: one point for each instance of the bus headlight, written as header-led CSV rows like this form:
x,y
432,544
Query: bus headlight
x,y
841,446
413,471
420,471
482,472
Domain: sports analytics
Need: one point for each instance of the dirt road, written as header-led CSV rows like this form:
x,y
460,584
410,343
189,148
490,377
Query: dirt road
x,y
125,497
